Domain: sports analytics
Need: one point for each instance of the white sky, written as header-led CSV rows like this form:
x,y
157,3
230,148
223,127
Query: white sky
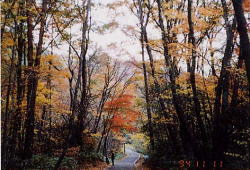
x,y
127,47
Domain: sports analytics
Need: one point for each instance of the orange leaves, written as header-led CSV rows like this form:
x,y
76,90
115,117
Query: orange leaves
x,y
123,116
210,12
246,5
119,102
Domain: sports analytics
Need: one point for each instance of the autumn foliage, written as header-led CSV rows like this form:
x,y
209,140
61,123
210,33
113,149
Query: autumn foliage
x,y
70,93
123,115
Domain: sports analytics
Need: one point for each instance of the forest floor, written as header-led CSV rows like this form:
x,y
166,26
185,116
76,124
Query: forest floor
x,y
141,165
93,166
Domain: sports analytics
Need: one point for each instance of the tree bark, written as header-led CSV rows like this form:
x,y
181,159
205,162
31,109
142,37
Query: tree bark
x,y
83,103
33,76
244,39
196,105
148,108
220,133
6,117
170,128
184,128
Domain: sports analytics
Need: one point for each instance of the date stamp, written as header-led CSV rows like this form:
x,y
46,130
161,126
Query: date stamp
x,y
200,164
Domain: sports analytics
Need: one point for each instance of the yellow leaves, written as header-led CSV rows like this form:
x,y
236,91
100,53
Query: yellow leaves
x,y
97,135
204,84
138,76
163,121
155,43
171,4
183,81
210,83
115,5
5,5
36,131
51,65
67,5
85,131
203,18
171,12
65,74
236,155
210,12
138,136
180,50
20,18
52,81
181,28
174,14
51,59
166,5
201,24
42,94
71,152
209,17
119,136
33,10
174,49
140,141
8,42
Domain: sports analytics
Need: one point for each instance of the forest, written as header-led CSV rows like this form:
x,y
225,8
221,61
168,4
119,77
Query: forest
x,y
81,79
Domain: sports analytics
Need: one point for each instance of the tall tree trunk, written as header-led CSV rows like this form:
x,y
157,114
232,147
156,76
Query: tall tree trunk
x,y
100,142
84,48
20,79
5,148
196,105
33,76
184,128
220,133
163,108
244,39
148,108
235,95
149,115
27,152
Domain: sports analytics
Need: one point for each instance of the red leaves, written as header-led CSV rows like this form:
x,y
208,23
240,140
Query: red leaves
x,y
119,102
122,113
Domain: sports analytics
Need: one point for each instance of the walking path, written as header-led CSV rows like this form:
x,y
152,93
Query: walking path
x,y
127,163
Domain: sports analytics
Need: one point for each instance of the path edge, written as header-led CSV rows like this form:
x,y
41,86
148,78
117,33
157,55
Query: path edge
x,y
137,159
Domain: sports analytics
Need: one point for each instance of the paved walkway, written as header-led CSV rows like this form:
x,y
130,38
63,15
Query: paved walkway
x,y
127,163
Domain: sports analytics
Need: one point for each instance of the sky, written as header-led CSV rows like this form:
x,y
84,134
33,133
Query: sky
x,y
115,41
112,41
126,46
